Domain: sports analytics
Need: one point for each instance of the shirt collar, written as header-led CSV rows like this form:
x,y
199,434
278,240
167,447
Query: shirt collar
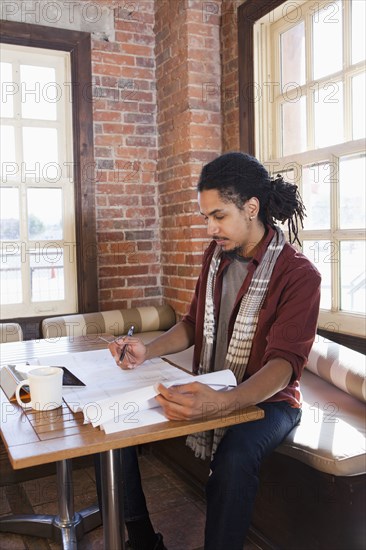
x,y
263,246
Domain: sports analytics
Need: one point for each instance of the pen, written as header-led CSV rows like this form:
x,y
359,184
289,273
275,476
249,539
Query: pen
x,y
124,349
108,341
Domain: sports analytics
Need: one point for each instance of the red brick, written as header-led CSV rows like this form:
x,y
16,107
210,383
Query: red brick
x,y
138,49
145,258
127,293
120,129
107,140
107,116
117,58
102,68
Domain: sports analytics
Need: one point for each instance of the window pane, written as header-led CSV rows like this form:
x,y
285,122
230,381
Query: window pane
x,y
352,200
358,106
327,40
322,254
44,213
7,90
293,126
328,112
47,274
40,153
7,153
7,144
293,55
358,8
316,195
10,275
40,92
353,258
9,211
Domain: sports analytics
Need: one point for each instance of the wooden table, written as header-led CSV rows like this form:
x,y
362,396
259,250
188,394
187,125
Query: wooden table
x,y
35,438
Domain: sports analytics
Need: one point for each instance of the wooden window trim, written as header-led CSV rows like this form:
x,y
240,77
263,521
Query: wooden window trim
x,y
248,14
79,46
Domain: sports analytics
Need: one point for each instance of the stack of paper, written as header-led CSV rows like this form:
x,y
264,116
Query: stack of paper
x,y
115,399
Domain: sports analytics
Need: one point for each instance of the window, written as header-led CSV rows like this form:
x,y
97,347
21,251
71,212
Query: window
x,y
63,233
310,126
37,226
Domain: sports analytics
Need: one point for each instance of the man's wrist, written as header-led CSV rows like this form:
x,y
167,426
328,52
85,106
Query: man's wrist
x,y
149,352
235,400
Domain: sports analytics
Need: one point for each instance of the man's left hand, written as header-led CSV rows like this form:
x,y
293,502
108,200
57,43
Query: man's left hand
x,y
190,401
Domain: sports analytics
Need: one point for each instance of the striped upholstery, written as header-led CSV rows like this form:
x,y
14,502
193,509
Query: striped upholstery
x,y
10,332
115,322
341,366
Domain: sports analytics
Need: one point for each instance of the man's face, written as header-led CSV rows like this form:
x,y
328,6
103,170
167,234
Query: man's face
x,y
227,224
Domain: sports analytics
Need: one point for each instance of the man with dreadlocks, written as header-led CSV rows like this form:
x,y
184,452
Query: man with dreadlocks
x,y
255,312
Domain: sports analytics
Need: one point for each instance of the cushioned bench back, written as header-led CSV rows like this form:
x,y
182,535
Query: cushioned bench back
x,y
10,332
115,322
341,366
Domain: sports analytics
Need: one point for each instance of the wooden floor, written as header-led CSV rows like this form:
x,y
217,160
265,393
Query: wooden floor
x,y
177,511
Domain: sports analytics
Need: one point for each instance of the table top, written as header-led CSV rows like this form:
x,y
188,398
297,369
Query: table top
x,y
34,438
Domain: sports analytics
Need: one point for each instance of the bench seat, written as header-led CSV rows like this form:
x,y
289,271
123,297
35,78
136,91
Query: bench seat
x,y
331,435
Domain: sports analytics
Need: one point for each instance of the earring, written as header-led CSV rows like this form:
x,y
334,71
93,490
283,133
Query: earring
x,y
251,218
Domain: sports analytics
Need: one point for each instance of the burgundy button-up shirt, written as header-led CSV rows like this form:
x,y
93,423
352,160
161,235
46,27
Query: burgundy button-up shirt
x,y
287,320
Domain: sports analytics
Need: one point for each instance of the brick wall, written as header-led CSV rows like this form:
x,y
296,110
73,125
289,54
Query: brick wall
x,y
189,129
166,102
125,135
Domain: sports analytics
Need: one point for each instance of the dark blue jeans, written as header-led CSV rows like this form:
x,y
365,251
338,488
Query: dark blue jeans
x,y
233,482
234,476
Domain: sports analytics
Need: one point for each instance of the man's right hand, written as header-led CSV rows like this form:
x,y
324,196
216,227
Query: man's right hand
x,y
135,352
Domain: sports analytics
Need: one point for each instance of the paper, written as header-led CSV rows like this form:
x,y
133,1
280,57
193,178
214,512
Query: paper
x,y
124,407
115,399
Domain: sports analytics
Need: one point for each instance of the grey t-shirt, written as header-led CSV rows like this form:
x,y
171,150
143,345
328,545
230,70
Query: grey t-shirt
x,y
233,279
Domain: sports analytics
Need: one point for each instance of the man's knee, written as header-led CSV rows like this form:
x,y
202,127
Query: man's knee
x,y
233,467
234,479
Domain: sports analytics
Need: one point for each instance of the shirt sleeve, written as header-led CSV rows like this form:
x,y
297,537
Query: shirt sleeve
x,y
190,316
292,334
197,302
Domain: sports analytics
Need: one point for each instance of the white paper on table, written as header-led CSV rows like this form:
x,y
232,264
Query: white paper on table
x,y
142,399
115,399
132,420
135,415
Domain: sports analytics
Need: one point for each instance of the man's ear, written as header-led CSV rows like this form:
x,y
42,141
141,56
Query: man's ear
x,y
252,206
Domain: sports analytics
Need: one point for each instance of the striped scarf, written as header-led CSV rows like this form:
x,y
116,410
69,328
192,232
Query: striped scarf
x,y
205,443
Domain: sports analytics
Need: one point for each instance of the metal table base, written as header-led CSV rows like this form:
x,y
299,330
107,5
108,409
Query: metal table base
x,y
68,526
112,499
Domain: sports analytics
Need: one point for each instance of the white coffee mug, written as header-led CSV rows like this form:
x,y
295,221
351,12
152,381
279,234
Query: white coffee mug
x,y
45,385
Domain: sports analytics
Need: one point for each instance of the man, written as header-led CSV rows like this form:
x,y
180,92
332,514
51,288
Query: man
x,y
254,311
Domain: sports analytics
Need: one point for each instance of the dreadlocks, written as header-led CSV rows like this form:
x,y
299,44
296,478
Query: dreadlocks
x,y
238,177
285,204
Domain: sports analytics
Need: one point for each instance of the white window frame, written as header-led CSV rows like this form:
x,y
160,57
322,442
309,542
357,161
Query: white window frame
x,y
268,128
60,61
